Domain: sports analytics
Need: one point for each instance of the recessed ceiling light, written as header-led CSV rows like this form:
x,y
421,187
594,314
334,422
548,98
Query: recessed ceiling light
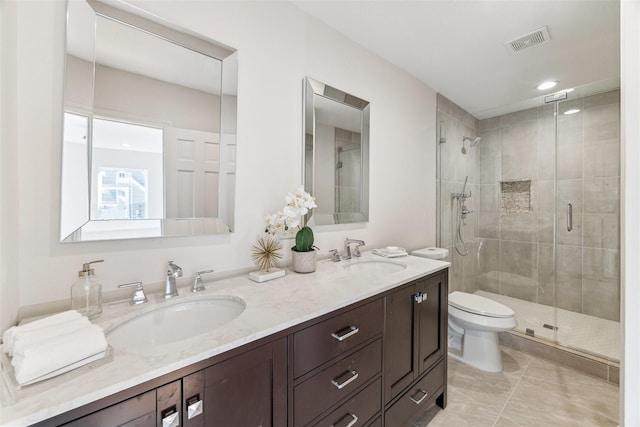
x,y
125,145
572,111
547,85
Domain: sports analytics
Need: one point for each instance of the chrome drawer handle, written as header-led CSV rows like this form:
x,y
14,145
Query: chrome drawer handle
x,y
172,420
345,333
353,420
341,383
569,217
419,401
194,407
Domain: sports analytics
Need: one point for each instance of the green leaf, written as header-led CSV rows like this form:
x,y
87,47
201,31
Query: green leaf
x,y
304,240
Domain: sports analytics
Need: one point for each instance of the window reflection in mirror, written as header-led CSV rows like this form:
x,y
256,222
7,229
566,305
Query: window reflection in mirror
x,y
149,128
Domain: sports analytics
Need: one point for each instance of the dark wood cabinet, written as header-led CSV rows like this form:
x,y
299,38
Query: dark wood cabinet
x,y
238,391
379,362
245,390
337,367
415,341
139,411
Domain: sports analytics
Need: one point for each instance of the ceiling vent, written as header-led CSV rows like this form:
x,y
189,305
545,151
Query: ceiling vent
x,y
535,38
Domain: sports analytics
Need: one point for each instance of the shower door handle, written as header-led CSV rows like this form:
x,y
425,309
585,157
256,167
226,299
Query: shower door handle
x,y
569,217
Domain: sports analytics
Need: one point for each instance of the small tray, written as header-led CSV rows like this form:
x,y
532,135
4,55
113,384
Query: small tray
x,y
384,252
52,379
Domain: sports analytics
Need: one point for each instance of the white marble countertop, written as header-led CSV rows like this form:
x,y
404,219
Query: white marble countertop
x,y
271,307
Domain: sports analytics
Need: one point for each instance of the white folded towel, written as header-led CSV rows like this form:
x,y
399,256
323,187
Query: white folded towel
x,y
10,334
55,353
35,336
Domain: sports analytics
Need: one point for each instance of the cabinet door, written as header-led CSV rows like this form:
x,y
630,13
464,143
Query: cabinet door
x,y
193,400
238,391
169,404
399,342
138,411
430,311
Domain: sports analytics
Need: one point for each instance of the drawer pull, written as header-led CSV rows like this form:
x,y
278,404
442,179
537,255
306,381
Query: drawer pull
x,y
171,420
348,420
194,406
345,333
419,401
343,380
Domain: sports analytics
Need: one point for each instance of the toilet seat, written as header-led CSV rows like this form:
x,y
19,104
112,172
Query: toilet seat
x,y
476,304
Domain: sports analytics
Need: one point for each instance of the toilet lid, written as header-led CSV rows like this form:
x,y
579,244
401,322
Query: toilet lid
x,y
478,305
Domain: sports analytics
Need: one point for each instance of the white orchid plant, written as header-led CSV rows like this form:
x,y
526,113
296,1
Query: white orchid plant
x,y
298,205
290,217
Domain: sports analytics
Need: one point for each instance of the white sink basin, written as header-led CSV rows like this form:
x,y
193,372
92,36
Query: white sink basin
x,y
375,266
169,323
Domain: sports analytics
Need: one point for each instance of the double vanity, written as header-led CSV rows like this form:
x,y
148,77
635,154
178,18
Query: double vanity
x,y
359,342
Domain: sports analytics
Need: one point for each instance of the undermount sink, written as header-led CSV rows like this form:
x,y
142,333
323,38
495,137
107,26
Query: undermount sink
x,y
169,323
375,266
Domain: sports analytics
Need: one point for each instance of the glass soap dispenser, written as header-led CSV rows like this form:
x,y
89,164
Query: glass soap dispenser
x,y
86,292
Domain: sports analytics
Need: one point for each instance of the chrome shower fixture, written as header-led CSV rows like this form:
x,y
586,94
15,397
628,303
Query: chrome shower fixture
x,y
472,143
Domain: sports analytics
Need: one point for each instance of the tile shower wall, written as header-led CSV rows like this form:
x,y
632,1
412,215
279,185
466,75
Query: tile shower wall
x,y
515,249
453,124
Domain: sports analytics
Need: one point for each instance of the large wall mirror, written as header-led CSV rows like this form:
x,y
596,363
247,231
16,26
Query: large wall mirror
x,y
149,141
336,154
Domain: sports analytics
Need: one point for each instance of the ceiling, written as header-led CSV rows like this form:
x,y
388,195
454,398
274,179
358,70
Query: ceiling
x,y
457,47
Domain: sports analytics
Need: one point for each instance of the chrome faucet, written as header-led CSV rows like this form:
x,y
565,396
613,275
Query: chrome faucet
x,y
173,272
347,248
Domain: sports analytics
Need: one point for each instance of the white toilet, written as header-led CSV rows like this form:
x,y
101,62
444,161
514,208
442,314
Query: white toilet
x,y
474,323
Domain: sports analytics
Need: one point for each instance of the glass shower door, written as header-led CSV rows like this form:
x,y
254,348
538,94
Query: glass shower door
x,y
586,245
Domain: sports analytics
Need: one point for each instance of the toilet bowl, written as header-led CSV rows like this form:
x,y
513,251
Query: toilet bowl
x,y
474,323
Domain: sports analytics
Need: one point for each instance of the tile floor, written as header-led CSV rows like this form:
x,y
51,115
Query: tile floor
x,y
530,392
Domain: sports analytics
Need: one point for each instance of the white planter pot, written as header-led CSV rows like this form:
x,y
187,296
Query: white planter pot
x,y
304,262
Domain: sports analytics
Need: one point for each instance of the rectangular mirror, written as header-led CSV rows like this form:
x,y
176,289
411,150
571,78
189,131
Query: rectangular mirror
x,y
336,154
149,140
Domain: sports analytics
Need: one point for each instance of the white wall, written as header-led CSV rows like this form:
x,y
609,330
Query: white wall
x,y
9,275
278,46
630,241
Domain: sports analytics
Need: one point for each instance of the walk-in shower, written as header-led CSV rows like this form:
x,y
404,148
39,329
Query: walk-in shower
x,y
531,215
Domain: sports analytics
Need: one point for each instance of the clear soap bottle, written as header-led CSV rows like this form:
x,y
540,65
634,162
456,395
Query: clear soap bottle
x,y
86,292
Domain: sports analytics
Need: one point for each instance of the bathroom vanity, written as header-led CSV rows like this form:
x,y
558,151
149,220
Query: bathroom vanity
x,y
351,344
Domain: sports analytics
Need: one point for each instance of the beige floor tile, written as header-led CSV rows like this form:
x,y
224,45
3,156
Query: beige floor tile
x,y
559,382
533,405
530,392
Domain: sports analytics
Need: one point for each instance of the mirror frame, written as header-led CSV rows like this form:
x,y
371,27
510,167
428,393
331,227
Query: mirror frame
x,y
166,227
312,89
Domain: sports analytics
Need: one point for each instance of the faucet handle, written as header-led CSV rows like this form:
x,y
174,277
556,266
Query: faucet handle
x,y
138,296
335,256
356,251
197,283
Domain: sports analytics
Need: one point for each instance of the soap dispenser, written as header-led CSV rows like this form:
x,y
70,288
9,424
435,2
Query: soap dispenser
x,y
86,292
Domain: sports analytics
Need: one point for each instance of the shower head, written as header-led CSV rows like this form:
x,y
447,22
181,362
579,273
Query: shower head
x,y
472,143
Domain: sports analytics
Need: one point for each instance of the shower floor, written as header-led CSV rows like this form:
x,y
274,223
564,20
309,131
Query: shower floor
x,y
589,334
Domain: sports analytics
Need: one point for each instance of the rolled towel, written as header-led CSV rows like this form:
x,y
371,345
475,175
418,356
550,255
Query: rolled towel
x,y
53,354
51,332
9,335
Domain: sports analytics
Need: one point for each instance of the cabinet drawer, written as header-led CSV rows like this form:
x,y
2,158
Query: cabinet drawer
x,y
358,410
417,399
325,340
328,387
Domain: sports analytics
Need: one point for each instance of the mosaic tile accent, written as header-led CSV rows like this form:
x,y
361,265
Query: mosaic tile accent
x,y
515,196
